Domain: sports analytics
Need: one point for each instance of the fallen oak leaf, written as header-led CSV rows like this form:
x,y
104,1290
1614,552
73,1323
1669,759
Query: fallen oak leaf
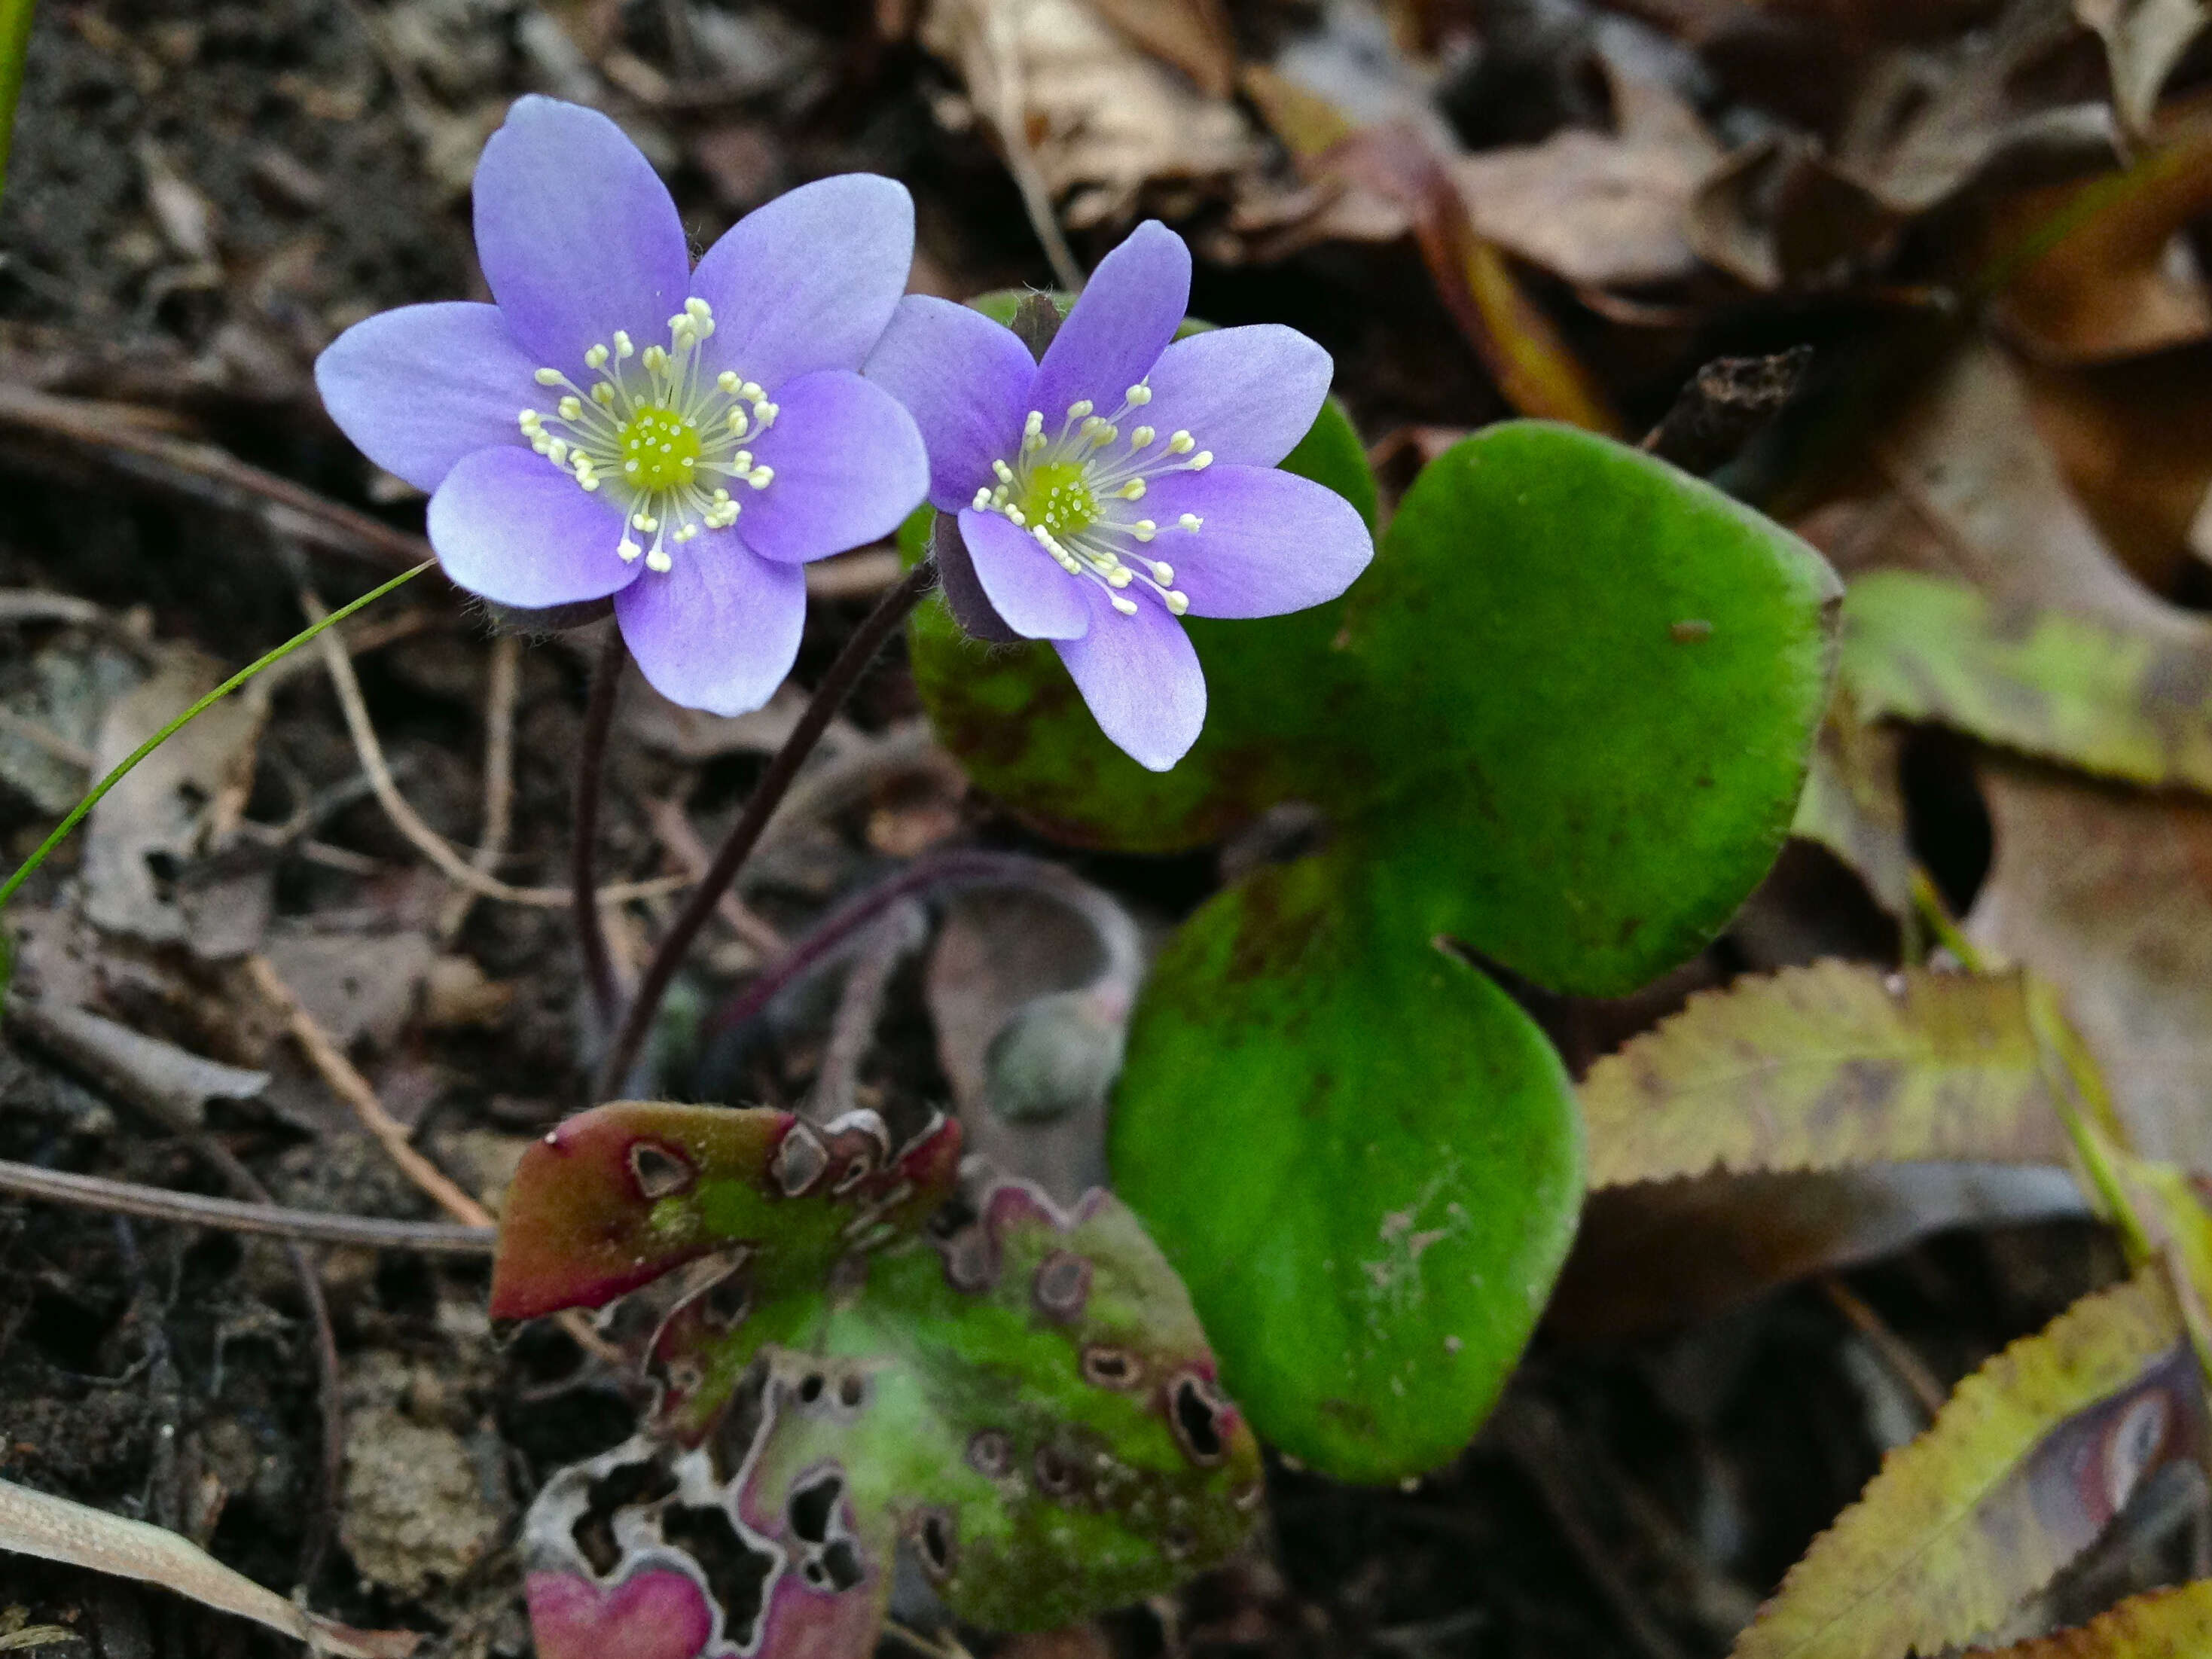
x,y
2021,1470
56,1530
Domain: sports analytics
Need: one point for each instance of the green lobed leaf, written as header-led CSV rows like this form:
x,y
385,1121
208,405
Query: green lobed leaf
x,y
1362,1156
2022,1468
2093,693
1825,1067
1024,1397
1596,682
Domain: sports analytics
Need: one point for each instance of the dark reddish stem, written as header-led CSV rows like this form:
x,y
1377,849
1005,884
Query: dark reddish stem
x,y
583,855
874,632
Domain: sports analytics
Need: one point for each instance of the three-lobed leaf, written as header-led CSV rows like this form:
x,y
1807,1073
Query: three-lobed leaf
x,y
1563,719
1362,1156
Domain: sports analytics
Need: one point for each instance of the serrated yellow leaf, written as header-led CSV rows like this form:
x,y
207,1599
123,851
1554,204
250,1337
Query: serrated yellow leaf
x,y
2167,1624
2020,1471
1824,1067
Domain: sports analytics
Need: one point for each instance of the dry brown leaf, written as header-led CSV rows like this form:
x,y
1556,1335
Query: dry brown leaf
x,y
1191,34
2122,281
1595,207
2143,39
2134,442
1980,497
2107,893
1668,1253
142,839
1100,120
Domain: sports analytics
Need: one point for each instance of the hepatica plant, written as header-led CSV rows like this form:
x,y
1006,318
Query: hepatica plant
x,y
621,427
1554,736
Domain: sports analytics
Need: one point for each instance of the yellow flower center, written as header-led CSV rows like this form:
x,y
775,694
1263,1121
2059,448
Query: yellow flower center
x,y
1058,498
665,446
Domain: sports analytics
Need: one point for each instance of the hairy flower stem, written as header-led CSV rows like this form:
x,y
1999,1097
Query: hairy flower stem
x,y
591,925
875,631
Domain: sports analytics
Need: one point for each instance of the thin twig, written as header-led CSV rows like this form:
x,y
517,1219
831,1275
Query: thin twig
x,y
963,868
86,1192
672,826
591,765
151,1097
357,1093
350,1087
859,650
52,742
505,680
1895,1352
291,510
434,846
894,936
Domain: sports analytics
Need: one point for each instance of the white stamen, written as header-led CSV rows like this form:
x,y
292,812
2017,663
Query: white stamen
x,y
1181,443
658,559
1137,395
1190,521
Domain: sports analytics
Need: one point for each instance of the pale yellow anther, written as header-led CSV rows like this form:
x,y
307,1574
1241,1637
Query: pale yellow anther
x,y
571,409
658,559
596,358
1126,607
1079,408
1177,603
1035,424
1181,443
1144,530
558,451
763,477
1163,573
1142,438
622,346
1118,576
644,521
728,381
629,549
1190,521
1131,491
549,377
528,419
1014,514
983,502
684,534
1139,395
1006,473
655,359
751,391
603,394
698,310
1202,460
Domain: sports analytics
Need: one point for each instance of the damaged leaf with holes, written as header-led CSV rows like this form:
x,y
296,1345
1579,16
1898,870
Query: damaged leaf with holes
x,y
860,1357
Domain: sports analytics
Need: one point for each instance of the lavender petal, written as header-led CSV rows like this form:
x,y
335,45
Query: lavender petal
x,y
966,381
1140,678
1248,394
848,466
1268,542
719,629
576,233
1122,321
1026,586
509,524
809,281
418,388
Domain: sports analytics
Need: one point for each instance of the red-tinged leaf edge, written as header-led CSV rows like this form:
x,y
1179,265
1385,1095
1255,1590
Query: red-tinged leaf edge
x,y
618,1196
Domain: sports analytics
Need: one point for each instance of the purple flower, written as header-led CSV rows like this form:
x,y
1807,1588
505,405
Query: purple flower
x,y
571,455
1127,480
